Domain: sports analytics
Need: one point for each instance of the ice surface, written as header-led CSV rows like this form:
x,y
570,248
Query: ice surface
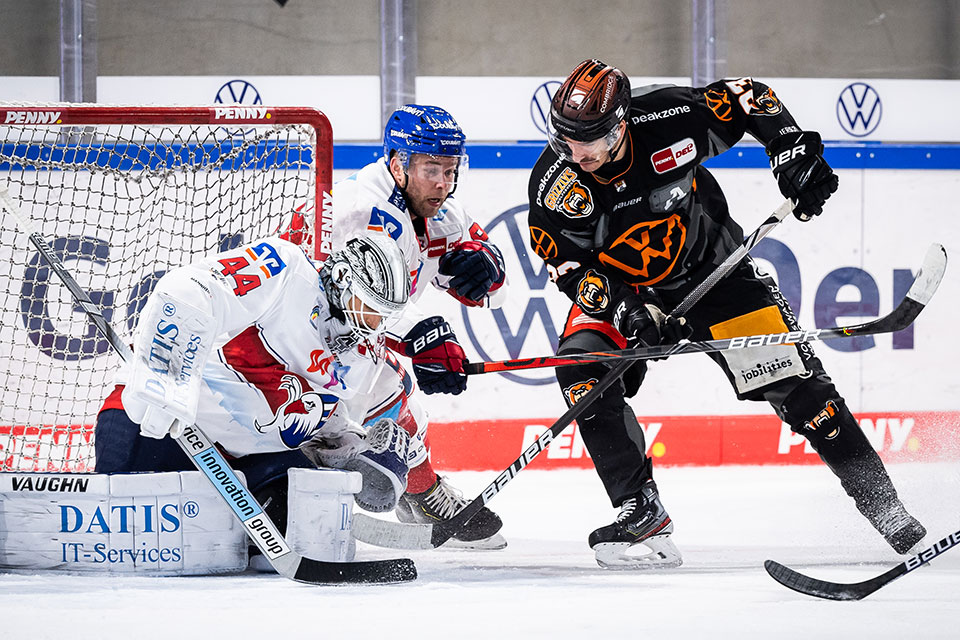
x,y
546,583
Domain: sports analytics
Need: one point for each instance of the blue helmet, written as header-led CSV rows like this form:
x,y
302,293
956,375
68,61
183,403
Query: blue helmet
x,y
415,128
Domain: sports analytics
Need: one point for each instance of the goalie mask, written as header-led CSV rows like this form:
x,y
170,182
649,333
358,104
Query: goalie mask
x,y
367,285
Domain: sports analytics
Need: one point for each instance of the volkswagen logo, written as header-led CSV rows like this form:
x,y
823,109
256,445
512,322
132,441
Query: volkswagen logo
x,y
540,104
859,109
238,92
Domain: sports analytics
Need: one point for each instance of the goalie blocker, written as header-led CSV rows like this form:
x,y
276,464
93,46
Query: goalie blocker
x,y
171,524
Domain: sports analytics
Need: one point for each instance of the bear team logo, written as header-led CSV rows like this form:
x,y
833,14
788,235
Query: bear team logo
x,y
569,196
574,392
593,292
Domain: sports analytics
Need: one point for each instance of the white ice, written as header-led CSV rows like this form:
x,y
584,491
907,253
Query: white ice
x,y
546,583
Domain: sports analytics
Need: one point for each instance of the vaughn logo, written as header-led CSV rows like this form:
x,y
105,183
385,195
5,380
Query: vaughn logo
x,y
676,155
65,484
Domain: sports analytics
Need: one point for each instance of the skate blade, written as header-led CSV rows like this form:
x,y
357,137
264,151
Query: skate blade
x,y
493,543
662,554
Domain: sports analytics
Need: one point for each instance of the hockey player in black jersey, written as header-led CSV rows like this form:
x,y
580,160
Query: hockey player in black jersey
x,y
628,223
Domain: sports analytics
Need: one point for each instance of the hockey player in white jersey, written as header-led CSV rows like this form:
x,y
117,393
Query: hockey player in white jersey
x,y
271,358
407,194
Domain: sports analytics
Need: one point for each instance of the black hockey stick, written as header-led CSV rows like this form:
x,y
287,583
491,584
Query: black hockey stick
x,y
211,463
857,590
917,297
430,536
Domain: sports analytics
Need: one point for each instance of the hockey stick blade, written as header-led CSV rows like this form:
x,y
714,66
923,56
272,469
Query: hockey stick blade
x,y
857,590
920,292
211,463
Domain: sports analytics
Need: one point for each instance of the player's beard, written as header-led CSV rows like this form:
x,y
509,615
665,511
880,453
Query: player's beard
x,y
426,206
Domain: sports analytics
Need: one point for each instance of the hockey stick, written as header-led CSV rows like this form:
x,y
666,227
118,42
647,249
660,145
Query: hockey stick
x,y
917,297
430,536
211,463
856,590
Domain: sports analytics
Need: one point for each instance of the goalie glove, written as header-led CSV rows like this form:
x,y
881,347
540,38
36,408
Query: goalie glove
x,y
475,268
436,356
802,174
378,453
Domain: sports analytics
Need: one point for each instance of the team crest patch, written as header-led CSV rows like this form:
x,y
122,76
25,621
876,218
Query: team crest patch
x,y
768,104
574,392
569,196
719,103
647,252
543,245
593,292
301,415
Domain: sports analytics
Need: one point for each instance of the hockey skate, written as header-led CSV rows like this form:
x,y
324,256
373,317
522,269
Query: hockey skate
x,y
642,523
442,502
901,530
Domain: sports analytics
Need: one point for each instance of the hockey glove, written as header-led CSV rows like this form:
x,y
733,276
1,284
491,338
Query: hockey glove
x,y
802,173
437,357
475,268
645,324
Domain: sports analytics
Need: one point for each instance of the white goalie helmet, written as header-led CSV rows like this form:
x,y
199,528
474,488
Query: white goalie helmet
x,y
367,281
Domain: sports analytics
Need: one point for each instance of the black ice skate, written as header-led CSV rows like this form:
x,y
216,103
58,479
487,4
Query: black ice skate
x,y
901,530
643,522
442,502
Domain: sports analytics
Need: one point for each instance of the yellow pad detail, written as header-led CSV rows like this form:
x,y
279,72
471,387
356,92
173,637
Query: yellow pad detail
x,y
766,320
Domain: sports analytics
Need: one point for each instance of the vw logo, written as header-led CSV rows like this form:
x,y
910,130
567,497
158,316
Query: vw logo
x,y
540,104
238,92
859,109
524,326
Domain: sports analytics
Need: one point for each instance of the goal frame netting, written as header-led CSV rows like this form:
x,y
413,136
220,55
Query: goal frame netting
x,y
70,133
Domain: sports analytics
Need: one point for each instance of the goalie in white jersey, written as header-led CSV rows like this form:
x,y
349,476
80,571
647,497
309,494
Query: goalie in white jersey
x,y
407,194
273,359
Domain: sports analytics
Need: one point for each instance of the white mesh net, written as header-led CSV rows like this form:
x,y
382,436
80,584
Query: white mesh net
x,y
121,204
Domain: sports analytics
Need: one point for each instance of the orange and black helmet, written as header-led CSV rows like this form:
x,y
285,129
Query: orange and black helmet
x,y
593,99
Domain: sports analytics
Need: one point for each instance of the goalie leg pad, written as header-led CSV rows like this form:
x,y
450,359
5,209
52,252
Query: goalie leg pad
x,y
320,513
152,523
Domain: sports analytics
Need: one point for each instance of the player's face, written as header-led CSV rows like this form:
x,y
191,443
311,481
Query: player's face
x,y
367,318
430,179
594,154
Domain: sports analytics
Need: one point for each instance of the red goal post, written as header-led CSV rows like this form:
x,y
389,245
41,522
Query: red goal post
x,y
123,194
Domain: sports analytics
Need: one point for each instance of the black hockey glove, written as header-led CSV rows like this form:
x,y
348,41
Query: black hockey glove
x,y
437,357
644,324
476,268
802,173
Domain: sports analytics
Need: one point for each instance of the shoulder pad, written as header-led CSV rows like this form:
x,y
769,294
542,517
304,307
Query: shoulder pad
x,y
649,88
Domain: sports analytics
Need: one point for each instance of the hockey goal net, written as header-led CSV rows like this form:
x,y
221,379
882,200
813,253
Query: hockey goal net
x,y
124,194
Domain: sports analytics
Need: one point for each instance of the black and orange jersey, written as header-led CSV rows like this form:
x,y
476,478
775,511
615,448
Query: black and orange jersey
x,y
655,218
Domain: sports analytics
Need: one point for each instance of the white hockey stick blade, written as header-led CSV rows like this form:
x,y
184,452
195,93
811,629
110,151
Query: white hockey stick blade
x,y
392,535
927,281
